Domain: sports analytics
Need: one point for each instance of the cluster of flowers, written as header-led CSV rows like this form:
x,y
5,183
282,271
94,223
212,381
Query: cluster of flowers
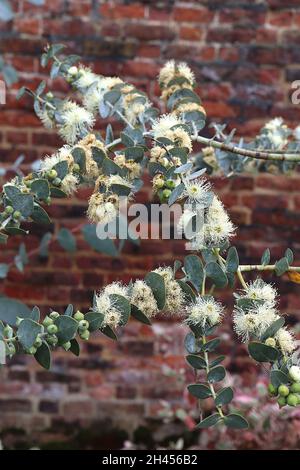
x,y
141,296
251,323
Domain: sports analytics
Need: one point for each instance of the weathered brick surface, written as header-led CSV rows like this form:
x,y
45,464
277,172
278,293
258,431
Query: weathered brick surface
x,y
244,54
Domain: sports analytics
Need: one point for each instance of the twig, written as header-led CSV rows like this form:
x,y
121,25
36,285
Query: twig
x,y
258,154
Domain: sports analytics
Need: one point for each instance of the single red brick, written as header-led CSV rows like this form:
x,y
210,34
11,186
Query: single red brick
x,y
193,15
134,10
190,33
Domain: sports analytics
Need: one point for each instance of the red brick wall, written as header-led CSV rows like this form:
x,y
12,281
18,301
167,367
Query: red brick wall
x,y
245,54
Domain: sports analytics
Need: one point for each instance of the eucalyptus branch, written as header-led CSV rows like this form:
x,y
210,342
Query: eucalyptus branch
x,y
257,154
268,267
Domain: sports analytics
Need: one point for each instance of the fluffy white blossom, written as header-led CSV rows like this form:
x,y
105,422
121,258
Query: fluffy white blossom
x,y
85,78
76,122
142,297
196,190
294,373
170,70
164,124
260,290
106,306
204,311
254,322
116,288
69,184
174,295
285,341
94,95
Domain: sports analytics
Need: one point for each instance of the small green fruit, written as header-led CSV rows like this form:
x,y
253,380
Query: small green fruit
x,y
31,350
281,401
52,174
54,315
283,390
56,182
79,316
76,168
67,345
9,210
166,193
52,340
28,183
292,400
52,329
48,200
17,215
295,387
272,390
47,321
170,184
83,325
38,342
85,335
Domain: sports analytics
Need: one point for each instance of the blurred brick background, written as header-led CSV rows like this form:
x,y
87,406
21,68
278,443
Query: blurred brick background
x,y
245,54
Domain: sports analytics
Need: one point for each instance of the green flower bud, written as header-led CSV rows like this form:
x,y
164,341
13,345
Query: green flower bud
x,y
272,390
281,401
48,200
56,182
83,325
54,315
52,174
47,321
283,390
17,215
38,342
292,399
85,335
52,340
49,95
170,184
76,168
295,387
31,350
9,210
270,342
166,193
52,329
28,183
67,345
79,316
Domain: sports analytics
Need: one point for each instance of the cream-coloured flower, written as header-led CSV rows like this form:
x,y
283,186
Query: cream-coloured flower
x,y
174,294
164,124
254,322
218,227
142,297
204,311
46,119
95,94
69,184
260,290
285,341
189,107
116,288
76,122
196,190
180,137
85,78
171,70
